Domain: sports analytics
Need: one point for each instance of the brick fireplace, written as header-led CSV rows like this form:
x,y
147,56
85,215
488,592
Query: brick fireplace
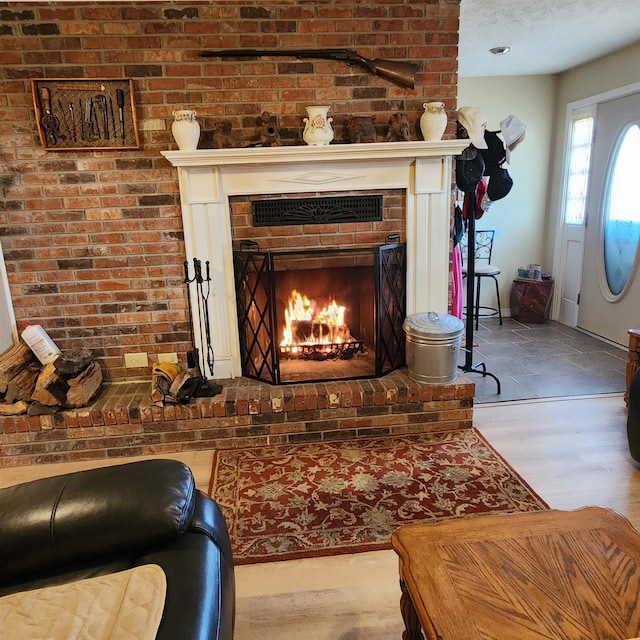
x,y
216,187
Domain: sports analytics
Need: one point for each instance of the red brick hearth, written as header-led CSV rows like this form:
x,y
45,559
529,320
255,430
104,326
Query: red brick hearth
x,y
123,422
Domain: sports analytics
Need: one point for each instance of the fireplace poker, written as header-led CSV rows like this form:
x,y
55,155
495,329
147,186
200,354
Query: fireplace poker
x,y
205,388
193,356
205,292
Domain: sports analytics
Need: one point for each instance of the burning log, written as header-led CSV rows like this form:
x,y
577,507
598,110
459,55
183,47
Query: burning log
x,y
317,334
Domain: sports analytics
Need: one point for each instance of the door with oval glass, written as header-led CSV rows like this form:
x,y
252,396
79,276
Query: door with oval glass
x,y
610,291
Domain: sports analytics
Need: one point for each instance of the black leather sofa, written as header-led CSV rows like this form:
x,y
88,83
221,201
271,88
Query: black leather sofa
x,y
633,417
100,521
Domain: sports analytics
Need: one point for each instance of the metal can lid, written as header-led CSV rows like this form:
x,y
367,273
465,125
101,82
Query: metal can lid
x,y
432,323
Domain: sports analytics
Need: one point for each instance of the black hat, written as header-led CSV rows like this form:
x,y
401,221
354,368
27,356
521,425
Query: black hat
x,y
500,184
469,172
494,155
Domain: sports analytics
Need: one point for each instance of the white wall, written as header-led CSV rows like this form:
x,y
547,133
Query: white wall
x,y
8,333
519,218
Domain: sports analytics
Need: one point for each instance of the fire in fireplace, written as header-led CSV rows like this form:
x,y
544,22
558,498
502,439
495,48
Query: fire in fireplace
x,y
316,333
321,315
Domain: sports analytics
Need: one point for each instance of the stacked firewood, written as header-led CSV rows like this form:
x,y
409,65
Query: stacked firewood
x,y
27,386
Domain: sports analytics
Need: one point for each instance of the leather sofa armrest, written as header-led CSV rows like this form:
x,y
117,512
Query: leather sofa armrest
x,y
70,518
208,520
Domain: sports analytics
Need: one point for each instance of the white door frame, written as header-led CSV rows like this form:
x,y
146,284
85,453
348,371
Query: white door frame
x,y
8,331
568,273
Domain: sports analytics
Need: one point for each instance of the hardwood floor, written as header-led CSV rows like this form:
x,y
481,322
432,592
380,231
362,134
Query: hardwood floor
x,y
573,452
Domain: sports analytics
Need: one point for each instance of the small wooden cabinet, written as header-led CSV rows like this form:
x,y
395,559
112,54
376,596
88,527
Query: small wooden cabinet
x,y
634,359
531,300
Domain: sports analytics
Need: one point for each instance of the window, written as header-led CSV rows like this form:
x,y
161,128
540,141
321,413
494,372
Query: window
x,y
579,159
622,210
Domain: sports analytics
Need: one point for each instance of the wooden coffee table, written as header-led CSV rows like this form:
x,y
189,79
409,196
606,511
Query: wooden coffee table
x,y
570,575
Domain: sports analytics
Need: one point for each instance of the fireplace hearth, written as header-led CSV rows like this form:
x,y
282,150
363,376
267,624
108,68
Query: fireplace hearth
x,y
321,315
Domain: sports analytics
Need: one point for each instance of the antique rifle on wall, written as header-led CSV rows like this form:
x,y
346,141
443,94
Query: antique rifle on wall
x,y
400,73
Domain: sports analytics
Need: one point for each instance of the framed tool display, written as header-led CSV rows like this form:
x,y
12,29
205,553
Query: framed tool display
x,y
85,113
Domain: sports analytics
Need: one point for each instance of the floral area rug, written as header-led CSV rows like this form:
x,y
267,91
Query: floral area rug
x,y
304,500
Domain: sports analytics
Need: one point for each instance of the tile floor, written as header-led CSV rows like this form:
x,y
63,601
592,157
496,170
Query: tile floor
x,y
543,361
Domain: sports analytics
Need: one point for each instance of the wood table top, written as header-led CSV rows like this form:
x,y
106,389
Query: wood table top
x,y
548,574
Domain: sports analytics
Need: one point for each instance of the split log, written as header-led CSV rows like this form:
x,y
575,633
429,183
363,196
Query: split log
x,y
51,387
71,362
22,385
14,361
14,409
37,409
83,387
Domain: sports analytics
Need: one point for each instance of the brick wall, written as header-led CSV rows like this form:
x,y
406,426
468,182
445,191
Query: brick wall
x,y
93,239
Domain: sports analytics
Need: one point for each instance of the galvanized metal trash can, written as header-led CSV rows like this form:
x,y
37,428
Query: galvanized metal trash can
x,y
433,346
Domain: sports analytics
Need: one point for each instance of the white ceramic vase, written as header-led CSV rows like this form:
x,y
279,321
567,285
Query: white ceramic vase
x,y
318,130
433,121
185,129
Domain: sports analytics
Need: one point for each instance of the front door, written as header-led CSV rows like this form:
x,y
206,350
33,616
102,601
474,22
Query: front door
x,y
610,292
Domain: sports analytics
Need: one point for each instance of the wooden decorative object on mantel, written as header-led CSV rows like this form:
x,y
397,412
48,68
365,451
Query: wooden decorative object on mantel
x,y
634,359
85,113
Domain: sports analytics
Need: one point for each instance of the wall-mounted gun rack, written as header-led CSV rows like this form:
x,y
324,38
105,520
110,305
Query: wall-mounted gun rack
x,y
85,113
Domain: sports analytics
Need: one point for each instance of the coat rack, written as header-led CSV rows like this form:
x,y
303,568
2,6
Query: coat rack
x,y
468,366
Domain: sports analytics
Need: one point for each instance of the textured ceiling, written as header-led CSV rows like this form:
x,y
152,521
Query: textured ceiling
x,y
545,36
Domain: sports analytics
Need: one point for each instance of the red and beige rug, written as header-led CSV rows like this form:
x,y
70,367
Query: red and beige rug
x,y
328,498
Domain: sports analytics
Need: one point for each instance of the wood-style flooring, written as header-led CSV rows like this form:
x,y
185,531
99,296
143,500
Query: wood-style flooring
x,y
573,452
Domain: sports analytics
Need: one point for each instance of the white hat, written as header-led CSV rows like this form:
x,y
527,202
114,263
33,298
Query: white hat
x,y
512,129
473,120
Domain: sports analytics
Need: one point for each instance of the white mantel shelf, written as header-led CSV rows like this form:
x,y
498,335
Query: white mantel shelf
x,y
304,153
208,177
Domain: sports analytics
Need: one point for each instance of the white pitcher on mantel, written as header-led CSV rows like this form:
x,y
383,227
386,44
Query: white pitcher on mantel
x,y
318,130
185,129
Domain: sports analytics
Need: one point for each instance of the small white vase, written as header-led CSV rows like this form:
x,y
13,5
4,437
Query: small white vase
x,y
433,121
317,130
185,129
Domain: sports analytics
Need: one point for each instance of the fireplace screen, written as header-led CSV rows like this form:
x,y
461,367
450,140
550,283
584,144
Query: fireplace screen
x,y
320,315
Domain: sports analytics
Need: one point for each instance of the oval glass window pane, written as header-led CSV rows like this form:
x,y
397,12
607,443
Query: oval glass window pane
x,y
622,212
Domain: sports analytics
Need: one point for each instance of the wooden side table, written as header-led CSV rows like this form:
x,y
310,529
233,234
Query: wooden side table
x,y
547,574
634,358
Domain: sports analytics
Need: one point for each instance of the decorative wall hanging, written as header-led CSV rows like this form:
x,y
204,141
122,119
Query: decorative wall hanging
x,y
85,113
400,73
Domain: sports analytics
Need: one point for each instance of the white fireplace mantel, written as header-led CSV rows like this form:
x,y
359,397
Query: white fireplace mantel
x,y
208,177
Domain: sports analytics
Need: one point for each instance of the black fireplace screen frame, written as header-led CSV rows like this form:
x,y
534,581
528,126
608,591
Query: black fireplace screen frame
x,y
255,301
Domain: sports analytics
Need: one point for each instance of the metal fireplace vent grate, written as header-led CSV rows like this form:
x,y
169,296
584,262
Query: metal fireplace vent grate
x,y
289,211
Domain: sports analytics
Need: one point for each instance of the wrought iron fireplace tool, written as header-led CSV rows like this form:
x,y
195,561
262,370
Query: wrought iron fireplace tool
x,y
203,388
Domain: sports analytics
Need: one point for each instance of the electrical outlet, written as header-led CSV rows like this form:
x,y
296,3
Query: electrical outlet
x,y
136,360
168,357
